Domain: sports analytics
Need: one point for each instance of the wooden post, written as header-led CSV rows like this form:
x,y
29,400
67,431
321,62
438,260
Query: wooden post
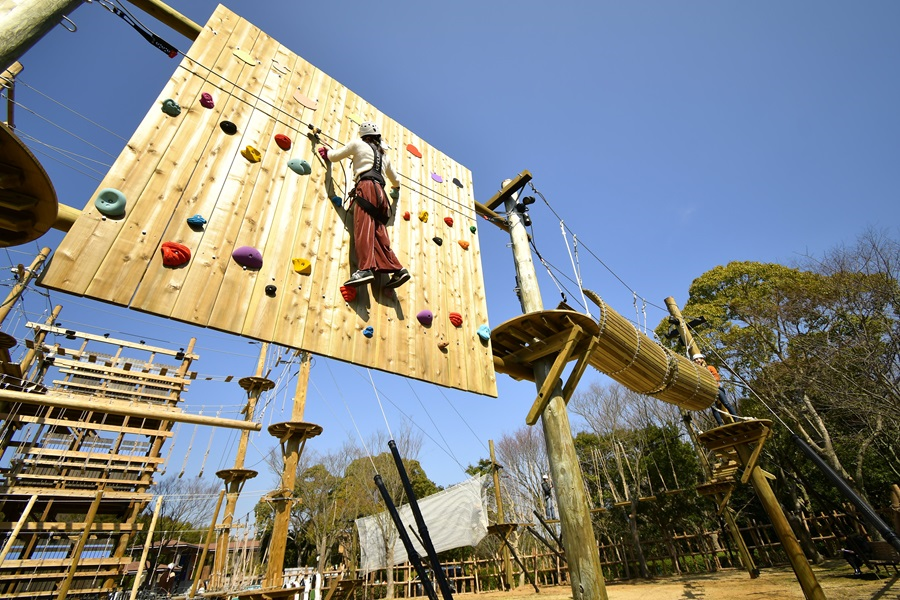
x,y
26,278
26,22
76,555
734,532
15,532
147,543
495,468
582,554
285,502
198,572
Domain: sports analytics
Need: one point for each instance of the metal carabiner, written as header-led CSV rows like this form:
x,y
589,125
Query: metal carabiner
x,y
65,20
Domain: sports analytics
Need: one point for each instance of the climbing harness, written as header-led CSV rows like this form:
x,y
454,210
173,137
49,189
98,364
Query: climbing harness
x,y
373,174
148,35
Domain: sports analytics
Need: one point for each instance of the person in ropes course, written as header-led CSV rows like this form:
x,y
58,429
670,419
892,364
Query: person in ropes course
x,y
700,360
372,210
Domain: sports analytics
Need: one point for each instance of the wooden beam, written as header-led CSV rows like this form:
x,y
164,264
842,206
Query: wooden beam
x,y
511,187
502,365
119,407
496,219
99,338
62,526
580,366
86,425
170,17
553,376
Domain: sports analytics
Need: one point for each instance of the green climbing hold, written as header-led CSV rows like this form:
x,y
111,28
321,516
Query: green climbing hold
x,y
171,108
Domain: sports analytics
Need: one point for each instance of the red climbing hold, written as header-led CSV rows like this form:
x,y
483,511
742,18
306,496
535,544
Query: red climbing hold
x,y
406,216
448,221
456,319
349,293
283,141
175,254
413,150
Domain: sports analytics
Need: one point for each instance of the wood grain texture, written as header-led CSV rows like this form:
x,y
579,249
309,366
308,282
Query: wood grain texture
x,y
176,167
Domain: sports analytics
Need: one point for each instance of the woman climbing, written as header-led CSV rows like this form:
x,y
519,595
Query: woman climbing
x,y
372,211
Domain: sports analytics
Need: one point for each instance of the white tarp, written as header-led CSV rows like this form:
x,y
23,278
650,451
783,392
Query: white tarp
x,y
455,517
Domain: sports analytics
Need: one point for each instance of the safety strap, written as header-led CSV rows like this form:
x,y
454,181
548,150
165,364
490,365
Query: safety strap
x,y
367,206
375,172
154,39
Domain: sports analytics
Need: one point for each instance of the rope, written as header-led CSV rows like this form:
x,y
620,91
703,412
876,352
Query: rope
x,y
575,269
35,90
349,412
378,398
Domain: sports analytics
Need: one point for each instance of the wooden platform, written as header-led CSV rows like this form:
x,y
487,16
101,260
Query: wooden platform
x,y
28,204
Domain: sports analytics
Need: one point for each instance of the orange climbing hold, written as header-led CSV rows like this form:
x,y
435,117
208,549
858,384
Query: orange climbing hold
x,y
175,254
464,244
413,150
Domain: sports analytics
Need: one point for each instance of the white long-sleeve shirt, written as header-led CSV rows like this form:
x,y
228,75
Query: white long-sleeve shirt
x,y
363,160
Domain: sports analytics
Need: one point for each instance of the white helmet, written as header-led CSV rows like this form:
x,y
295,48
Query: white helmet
x,y
696,356
368,128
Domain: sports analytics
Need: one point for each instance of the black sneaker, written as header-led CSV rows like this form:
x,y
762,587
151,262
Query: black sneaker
x,y
398,279
360,278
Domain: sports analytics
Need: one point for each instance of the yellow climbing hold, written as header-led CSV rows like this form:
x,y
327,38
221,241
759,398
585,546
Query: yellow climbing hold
x,y
245,56
251,154
302,266
355,118
423,216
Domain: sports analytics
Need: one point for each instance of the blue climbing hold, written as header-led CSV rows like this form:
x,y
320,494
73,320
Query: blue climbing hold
x,y
171,108
196,222
337,201
368,331
110,202
299,166
484,332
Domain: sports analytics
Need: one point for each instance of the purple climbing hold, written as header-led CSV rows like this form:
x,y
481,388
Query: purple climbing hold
x,y
437,178
206,100
425,317
248,256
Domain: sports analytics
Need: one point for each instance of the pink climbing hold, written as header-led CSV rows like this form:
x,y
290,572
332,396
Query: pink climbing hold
x,y
248,256
206,100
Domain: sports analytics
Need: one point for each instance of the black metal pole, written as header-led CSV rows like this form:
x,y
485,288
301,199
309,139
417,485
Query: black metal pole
x,y
868,513
404,537
544,541
420,524
548,528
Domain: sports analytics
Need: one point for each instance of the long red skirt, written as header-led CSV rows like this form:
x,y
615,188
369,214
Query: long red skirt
x,y
373,246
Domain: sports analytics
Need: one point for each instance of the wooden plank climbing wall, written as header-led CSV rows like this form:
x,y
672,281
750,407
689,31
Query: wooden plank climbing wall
x,y
175,167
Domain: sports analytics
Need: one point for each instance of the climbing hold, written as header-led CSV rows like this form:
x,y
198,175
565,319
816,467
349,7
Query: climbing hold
x,y
457,182
245,56
251,154
443,345
196,222
437,178
110,202
171,108
406,216
355,118
464,244
368,331
299,166
228,127
437,240
206,100
456,319
306,101
448,221
337,201
175,254
484,332
283,141
413,150
423,216
348,292
425,317
248,256
472,228
270,291
302,266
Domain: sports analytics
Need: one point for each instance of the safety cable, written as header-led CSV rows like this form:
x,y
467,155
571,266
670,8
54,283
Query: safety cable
x,y
124,14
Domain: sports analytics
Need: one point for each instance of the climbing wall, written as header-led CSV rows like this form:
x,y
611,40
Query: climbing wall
x,y
180,165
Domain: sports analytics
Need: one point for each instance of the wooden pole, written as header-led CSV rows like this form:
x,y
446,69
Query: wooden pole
x,y
582,554
291,450
147,543
495,468
76,555
39,337
170,17
27,276
121,407
15,532
24,22
198,572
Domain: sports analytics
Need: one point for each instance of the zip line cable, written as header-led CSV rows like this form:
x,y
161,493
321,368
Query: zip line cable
x,y
18,81
378,398
575,269
349,412
438,429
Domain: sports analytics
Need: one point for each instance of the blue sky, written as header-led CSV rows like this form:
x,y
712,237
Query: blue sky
x,y
670,137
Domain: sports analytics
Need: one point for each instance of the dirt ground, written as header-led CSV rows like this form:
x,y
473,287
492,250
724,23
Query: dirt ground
x,y
835,578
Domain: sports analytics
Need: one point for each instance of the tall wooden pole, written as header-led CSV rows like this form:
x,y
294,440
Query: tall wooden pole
x,y
291,450
582,553
498,497
734,532
198,572
24,22
25,278
15,532
79,547
805,576
147,543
